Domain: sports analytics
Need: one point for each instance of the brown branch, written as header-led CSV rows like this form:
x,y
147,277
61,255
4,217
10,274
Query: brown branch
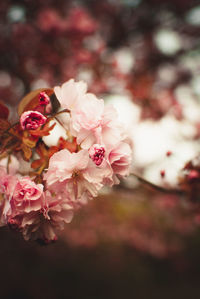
x,y
156,187
8,129
8,162
59,112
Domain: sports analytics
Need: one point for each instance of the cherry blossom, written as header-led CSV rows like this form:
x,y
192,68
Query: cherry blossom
x,y
82,148
75,175
32,120
43,98
69,93
26,196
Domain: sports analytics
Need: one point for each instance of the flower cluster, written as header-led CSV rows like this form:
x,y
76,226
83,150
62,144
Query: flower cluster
x,y
65,148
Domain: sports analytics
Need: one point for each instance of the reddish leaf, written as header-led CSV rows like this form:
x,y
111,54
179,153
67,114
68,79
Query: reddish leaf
x,y
4,125
30,141
4,112
42,131
44,154
37,163
52,150
41,163
8,140
31,100
27,152
5,142
64,144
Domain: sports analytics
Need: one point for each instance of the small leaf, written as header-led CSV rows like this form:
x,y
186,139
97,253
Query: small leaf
x,y
70,146
37,163
42,132
5,143
27,152
30,141
52,151
44,154
54,102
31,100
4,112
4,125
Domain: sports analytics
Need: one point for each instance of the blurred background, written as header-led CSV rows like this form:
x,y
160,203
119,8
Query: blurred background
x,y
143,56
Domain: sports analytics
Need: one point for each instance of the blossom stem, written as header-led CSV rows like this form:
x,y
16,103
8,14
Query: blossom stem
x,y
62,111
8,162
8,129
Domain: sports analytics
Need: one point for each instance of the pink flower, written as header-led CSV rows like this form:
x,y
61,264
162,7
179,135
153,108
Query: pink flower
x,y
88,114
31,120
44,98
112,131
69,93
44,224
90,122
7,185
86,119
49,21
75,175
115,161
97,153
7,182
108,130
120,159
79,21
27,196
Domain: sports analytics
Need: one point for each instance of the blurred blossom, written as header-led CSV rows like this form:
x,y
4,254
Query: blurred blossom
x,y
5,79
16,14
153,139
50,21
80,22
190,107
167,73
85,75
124,60
193,16
40,83
196,85
128,112
167,41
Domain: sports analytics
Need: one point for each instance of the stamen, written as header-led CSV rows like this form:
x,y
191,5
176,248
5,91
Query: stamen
x,y
97,154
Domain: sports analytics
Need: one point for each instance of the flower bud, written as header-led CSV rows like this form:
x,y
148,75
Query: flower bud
x,y
32,120
44,98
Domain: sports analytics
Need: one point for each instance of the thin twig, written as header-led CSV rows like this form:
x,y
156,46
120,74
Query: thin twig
x,y
156,187
59,112
8,162
8,129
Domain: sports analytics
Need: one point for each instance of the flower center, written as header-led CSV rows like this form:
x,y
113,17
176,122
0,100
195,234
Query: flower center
x,y
22,193
97,154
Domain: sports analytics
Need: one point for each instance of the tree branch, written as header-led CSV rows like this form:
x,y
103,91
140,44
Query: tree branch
x,y
158,188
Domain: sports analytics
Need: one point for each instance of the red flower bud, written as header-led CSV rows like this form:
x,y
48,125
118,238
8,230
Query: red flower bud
x,y
31,120
44,98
